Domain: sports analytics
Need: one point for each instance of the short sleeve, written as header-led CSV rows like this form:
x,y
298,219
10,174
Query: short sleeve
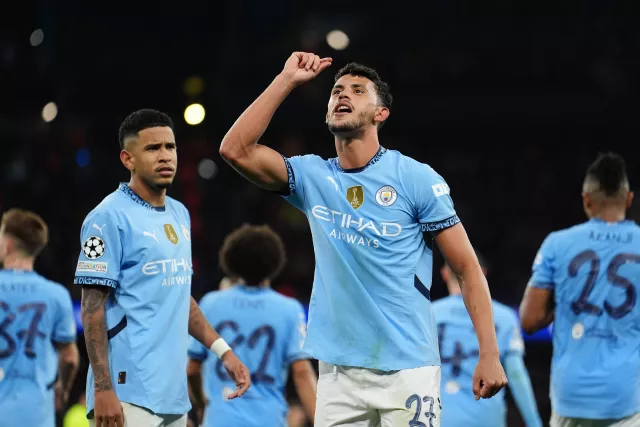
x,y
542,269
510,336
295,194
298,334
196,350
64,329
432,200
100,251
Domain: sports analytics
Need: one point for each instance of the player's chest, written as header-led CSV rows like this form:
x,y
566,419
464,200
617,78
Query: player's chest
x,y
341,198
160,244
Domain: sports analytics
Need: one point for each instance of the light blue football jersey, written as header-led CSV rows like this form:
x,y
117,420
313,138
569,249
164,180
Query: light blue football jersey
x,y
35,313
594,270
370,306
266,331
144,254
459,356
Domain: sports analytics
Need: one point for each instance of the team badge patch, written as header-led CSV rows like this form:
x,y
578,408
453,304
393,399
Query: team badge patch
x,y
185,233
171,233
94,247
386,196
355,196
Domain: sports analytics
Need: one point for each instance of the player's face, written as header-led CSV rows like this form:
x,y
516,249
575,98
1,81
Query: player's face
x,y
154,156
353,105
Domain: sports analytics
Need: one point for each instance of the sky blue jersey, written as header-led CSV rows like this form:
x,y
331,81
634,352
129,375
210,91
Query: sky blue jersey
x,y
594,271
266,331
459,354
35,313
370,306
143,254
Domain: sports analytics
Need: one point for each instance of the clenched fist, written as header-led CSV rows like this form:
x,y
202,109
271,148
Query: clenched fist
x,y
302,66
489,377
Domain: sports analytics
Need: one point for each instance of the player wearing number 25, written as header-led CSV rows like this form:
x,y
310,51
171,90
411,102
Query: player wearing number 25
x,y
36,322
264,328
586,279
135,270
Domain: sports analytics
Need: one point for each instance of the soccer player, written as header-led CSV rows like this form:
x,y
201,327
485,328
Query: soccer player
x,y
370,323
137,311
266,329
38,354
586,279
459,354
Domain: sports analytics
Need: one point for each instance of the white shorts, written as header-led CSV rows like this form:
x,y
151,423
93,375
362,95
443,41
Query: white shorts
x,y
137,416
362,397
558,421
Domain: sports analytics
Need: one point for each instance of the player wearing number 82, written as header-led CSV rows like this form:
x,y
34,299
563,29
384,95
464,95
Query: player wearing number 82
x,y
586,280
265,329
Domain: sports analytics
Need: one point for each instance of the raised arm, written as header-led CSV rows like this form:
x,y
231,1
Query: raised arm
x,y
454,244
107,406
256,162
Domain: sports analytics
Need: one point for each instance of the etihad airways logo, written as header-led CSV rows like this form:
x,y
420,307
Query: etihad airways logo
x,y
165,266
361,225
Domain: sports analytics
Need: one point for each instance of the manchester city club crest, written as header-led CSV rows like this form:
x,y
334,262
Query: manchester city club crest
x,y
386,196
355,196
171,233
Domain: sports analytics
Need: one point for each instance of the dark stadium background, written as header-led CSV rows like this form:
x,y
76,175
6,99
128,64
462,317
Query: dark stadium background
x,y
508,100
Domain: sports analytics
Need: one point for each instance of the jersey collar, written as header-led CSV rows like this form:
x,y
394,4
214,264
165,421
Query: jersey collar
x,y
370,163
600,221
124,187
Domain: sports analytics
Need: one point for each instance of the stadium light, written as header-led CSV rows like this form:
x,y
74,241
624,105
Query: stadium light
x,y
49,112
337,39
36,37
207,168
194,114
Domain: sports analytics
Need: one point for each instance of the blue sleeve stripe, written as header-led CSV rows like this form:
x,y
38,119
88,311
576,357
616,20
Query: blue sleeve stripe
x,y
63,339
542,285
440,225
292,178
102,281
196,355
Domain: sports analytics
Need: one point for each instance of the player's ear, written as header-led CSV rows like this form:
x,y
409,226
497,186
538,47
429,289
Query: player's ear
x,y
587,203
382,113
127,160
629,199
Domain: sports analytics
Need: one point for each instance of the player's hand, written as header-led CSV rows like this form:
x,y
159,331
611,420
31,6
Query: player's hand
x,y
61,396
238,373
302,67
108,410
489,377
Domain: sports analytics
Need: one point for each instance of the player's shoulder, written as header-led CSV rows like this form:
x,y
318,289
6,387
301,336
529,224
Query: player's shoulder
x,y
415,170
210,298
109,208
176,206
53,289
288,303
565,235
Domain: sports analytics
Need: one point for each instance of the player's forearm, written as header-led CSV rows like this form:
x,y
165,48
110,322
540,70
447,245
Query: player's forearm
x,y
194,378
520,386
247,130
477,299
199,327
306,384
68,362
95,335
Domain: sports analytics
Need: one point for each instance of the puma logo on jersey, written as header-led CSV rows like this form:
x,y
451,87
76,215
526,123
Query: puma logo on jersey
x,y
333,182
98,228
146,233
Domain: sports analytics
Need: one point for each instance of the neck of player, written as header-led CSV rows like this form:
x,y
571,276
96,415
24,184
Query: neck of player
x,y
356,150
155,196
18,262
611,214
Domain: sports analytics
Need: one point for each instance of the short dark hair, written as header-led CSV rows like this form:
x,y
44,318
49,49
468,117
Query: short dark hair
x,y
252,253
27,228
608,173
359,70
141,120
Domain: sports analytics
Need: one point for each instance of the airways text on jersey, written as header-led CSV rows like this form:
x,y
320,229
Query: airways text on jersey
x,y
367,230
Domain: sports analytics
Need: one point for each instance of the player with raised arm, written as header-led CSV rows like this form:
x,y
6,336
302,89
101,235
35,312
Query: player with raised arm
x,y
586,279
137,311
266,329
459,354
370,323
38,354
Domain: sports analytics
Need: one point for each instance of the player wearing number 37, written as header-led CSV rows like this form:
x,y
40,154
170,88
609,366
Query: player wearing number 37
x,y
586,280
374,215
